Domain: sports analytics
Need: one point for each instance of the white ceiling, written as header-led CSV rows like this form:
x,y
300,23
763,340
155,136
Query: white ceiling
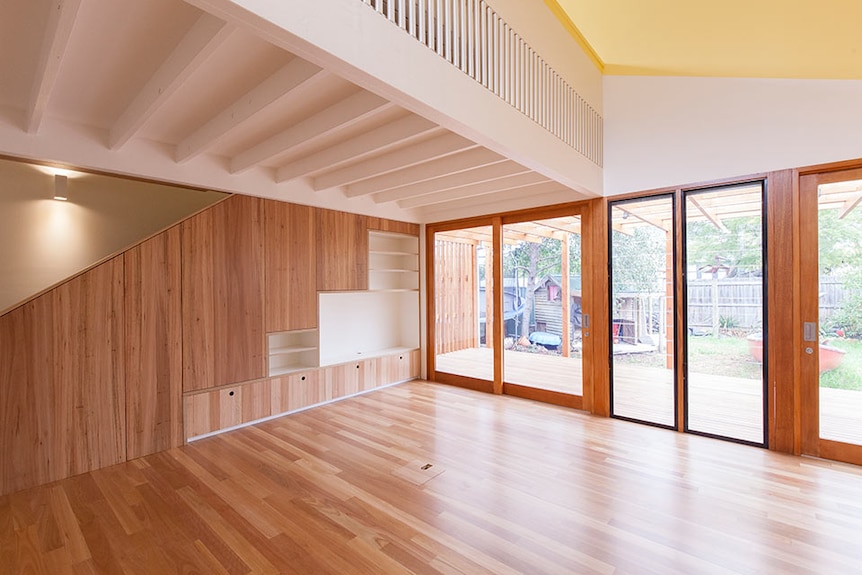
x,y
163,71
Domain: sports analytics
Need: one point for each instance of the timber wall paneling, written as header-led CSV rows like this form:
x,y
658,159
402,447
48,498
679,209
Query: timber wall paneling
x,y
291,255
342,251
93,371
223,331
61,357
154,368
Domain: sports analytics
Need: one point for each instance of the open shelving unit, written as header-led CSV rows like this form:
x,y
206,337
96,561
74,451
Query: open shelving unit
x,y
393,262
293,351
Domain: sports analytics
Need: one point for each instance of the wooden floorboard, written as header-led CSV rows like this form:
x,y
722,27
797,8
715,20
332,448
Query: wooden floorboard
x,y
514,486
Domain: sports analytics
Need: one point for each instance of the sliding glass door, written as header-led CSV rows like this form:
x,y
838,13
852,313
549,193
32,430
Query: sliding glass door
x,y
725,291
463,303
642,327
542,301
831,349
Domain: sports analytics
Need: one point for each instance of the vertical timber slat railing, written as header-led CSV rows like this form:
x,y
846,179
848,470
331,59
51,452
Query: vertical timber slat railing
x,y
471,36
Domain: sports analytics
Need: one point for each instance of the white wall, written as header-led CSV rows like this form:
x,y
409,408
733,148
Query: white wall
x,y
44,241
356,325
666,131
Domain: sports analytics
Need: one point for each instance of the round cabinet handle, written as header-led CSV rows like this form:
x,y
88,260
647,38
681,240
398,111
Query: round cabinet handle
x,y
231,394
809,351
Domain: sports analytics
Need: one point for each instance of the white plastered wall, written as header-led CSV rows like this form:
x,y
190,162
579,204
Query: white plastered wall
x,y
666,131
44,241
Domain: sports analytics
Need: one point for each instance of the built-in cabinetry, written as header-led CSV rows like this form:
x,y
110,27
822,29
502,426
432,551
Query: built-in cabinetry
x,y
249,309
393,261
293,351
217,410
222,294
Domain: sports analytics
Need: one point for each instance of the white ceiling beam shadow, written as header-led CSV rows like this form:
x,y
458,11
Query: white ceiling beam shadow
x,y
55,41
192,51
339,116
297,79
363,146
434,169
411,155
536,192
499,185
448,182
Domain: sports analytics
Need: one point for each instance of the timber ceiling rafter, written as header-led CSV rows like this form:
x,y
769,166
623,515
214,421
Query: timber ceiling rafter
x,y
211,96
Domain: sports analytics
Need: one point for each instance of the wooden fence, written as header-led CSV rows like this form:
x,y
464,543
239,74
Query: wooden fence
x,y
736,302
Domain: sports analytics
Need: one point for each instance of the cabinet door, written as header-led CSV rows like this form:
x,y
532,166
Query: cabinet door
x,y
342,251
223,295
400,367
290,258
154,363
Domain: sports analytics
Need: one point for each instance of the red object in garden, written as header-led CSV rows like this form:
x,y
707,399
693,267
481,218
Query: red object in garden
x,y
830,357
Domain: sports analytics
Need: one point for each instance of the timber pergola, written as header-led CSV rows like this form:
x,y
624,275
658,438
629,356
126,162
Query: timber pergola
x,y
534,231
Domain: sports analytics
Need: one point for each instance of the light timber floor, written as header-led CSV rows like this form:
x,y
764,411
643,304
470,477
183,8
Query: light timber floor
x,y
514,487
720,405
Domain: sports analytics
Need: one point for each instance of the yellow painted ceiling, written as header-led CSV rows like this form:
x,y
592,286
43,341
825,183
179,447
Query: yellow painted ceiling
x,y
728,38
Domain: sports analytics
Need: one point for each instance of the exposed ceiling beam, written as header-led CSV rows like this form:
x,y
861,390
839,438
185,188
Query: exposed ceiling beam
x,y
195,47
421,152
61,20
537,192
463,161
362,146
294,80
498,185
451,181
346,113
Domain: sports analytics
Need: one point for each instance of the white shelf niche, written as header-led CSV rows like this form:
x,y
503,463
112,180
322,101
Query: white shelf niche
x,y
393,262
365,324
293,351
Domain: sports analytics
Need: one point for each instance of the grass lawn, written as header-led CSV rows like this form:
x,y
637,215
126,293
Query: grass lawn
x,y
725,355
729,355
848,375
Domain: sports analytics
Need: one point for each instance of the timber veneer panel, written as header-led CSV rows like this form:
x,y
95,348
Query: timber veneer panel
x,y
154,368
229,406
222,287
88,348
384,225
27,397
61,381
342,251
290,257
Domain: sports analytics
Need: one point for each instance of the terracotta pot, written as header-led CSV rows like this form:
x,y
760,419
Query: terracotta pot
x,y
830,357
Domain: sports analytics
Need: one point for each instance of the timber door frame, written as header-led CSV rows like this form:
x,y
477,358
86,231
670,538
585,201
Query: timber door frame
x,y
809,309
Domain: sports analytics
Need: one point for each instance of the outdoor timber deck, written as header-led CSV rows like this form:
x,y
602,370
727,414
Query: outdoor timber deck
x,y
720,405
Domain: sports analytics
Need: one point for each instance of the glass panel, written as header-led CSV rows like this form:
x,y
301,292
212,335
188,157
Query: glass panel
x,y
642,310
542,304
724,301
463,310
840,353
